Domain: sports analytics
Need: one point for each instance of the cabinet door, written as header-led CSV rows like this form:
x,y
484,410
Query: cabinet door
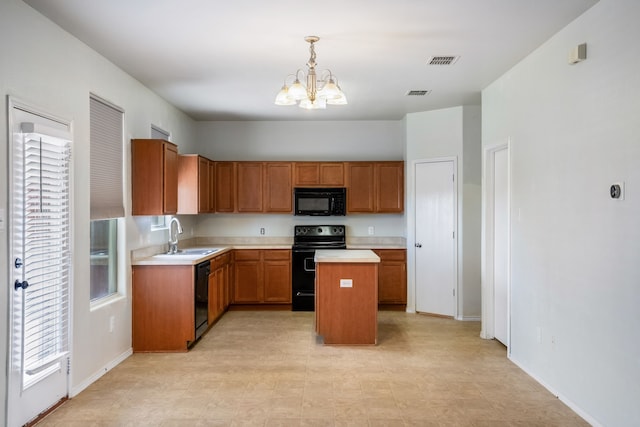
x,y
212,186
392,276
389,187
248,281
188,184
277,276
220,284
306,174
332,174
203,185
225,186
277,281
249,187
360,187
154,177
213,297
247,276
278,189
170,181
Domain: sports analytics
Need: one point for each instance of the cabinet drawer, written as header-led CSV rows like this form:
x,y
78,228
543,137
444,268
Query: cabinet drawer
x,y
247,255
277,254
391,254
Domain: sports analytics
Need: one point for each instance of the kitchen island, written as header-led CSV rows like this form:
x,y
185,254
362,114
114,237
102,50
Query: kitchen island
x,y
347,296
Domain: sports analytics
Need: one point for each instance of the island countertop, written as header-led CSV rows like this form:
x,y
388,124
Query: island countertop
x,y
346,255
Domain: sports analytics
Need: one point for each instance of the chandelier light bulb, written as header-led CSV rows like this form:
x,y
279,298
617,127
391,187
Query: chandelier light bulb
x,y
297,90
283,97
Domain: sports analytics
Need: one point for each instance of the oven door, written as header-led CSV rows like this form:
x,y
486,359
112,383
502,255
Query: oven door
x,y
303,275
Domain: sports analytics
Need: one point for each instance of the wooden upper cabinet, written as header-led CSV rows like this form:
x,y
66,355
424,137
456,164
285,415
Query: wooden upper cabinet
x,y
154,177
278,191
360,187
249,193
225,182
375,187
389,187
212,186
318,174
194,192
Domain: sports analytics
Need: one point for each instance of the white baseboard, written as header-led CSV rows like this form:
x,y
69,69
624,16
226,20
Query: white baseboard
x,y
96,376
469,318
575,408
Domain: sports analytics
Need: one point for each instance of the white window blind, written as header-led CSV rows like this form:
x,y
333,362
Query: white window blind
x,y
106,135
46,252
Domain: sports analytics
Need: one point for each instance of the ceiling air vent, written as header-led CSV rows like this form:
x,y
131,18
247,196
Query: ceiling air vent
x,y
418,92
442,60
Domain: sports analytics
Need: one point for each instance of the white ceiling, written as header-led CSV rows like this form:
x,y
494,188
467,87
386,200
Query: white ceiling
x,y
226,60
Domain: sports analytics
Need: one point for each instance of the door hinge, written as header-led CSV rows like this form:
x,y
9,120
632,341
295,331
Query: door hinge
x,y
68,365
454,292
454,234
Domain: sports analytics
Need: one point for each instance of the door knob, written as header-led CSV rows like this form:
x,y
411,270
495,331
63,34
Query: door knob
x,y
418,245
18,284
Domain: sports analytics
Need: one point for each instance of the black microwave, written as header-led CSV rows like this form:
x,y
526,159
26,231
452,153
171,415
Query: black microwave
x,y
320,201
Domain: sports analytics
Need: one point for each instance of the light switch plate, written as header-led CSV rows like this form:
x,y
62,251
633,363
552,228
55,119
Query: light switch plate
x,y
346,283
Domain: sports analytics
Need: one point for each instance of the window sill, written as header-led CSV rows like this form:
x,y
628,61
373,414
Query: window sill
x,y
105,301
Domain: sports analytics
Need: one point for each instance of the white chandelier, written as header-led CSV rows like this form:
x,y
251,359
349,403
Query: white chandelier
x,y
320,90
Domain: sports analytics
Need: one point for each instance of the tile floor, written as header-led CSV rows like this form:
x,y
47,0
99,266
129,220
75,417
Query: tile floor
x,y
267,368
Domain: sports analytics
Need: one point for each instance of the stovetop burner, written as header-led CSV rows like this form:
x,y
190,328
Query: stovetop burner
x,y
319,236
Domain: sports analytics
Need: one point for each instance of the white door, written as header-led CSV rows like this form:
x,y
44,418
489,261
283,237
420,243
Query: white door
x,y
40,240
435,237
500,244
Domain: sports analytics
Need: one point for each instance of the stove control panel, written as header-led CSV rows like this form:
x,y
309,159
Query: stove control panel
x,y
319,230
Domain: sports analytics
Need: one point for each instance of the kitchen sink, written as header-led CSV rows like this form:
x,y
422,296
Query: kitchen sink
x,y
191,253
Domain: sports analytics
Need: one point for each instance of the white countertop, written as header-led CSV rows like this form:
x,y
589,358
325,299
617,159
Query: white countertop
x,y
346,255
180,259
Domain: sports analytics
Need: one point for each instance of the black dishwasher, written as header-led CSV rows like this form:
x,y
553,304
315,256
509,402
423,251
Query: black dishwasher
x,y
201,292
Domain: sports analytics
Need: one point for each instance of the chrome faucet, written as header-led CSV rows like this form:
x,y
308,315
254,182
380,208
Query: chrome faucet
x,y
173,235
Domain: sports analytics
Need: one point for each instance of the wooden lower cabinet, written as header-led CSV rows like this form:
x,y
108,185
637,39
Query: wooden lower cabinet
x,y
218,287
392,277
262,276
163,308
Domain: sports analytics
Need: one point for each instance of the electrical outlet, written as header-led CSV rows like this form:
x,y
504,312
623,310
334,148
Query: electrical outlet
x,y
262,231
372,230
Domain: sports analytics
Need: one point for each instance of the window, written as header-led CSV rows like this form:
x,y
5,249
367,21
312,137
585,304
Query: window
x,y
106,142
104,271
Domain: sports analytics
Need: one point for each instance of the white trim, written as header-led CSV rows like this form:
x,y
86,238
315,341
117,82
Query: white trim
x,y
469,318
572,405
487,330
411,231
15,103
97,375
